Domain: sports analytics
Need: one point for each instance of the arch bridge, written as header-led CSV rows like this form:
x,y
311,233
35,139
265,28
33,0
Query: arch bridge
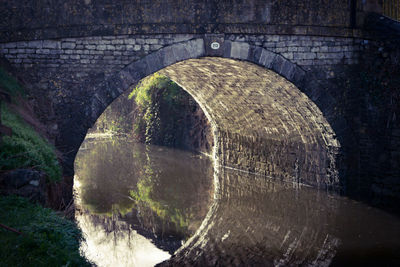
x,y
267,73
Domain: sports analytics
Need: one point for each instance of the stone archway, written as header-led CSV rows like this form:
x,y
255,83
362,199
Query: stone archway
x,y
271,128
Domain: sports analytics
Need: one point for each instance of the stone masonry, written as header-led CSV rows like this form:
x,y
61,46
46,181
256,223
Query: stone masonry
x,y
78,56
67,72
99,53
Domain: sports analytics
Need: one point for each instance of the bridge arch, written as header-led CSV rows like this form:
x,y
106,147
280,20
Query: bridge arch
x,y
295,142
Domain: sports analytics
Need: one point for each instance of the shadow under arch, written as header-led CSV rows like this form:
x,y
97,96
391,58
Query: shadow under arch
x,y
305,153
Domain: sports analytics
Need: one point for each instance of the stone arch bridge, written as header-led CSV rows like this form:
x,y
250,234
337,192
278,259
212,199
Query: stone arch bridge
x,y
265,72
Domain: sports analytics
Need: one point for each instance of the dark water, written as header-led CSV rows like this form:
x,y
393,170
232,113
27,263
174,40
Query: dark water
x,y
135,198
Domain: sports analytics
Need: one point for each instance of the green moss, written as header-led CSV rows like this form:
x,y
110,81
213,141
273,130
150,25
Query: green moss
x,y
9,84
47,239
154,95
26,148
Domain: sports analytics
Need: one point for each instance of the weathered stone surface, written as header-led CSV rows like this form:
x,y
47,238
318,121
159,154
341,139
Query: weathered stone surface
x,y
264,121
179,16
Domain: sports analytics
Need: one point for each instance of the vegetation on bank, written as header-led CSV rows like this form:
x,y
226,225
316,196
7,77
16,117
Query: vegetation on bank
x,y
10,84
30,235
116,119
166,114
25,148
46,239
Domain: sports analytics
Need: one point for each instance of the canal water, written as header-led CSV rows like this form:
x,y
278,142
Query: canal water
x,y
140,205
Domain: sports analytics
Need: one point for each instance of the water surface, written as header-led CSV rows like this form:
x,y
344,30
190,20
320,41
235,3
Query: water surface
x,y
138,204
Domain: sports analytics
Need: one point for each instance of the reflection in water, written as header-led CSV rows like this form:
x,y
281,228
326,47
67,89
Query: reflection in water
x,y
257,221
127,189
130,196
111,242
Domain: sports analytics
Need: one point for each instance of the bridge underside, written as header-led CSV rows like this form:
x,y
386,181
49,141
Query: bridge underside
x,y
262,123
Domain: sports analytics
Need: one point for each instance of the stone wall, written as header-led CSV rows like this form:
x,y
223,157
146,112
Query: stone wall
x,y
68,76
64,72
88,53
39,20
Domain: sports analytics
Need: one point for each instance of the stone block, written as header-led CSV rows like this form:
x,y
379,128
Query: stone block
x,y
324,49
272,38
139,41
95,52
51,44
267,58
255,54
151,41
304,49
56,51
101,47
277,63
117,41
129,41
43,51
281,49
240,50
120,47
10,45
288,70
335,49
22,44
154,47
288,55
154,62
309,55
281,44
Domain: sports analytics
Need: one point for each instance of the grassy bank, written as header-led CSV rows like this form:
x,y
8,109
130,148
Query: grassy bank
x,y
25,148
46,239
42,237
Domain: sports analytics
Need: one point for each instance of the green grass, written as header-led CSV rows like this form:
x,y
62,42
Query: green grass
x,y
26,148
47,239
